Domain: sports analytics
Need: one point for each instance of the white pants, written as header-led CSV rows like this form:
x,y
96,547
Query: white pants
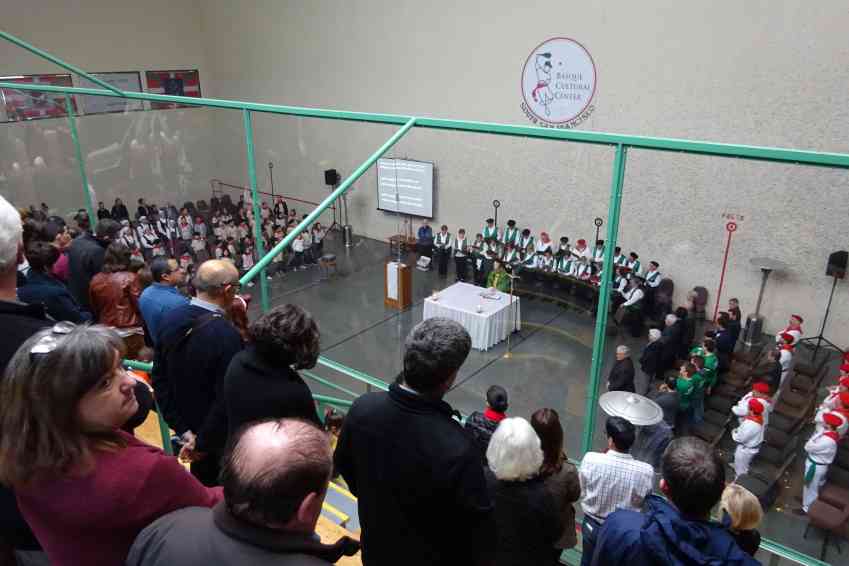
x,y
811,491
742,458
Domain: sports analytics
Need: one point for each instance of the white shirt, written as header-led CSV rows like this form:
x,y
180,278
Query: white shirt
x,y
634,296
741,409
796,334
822,449
750,434
298,245
542,247
611,481
653,279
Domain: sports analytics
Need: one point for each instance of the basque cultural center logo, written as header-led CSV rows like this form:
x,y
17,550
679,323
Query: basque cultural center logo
x,y
558,84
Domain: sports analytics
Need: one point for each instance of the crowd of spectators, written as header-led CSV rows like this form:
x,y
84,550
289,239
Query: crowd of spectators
x,y
79,488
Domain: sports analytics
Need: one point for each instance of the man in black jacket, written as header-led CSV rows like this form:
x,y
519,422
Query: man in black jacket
x,y
85,258
423,498
651,359
19,322
195,345
621,376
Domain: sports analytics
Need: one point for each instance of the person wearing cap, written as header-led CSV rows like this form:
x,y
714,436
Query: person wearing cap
x,y
619,259
563,249
442,247
821,450
832,400
634,264
794,329
490,230
598,252
526,244
760,391
841,409
580,250
749,436
482,424
461,255
511,234
785,357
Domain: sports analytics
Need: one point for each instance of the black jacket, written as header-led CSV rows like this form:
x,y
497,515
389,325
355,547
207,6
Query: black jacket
x,y
189,368
44,289
527,520
256,389
205,537
423,498
482,430
85,260
621,377
120,212
651,360
19,322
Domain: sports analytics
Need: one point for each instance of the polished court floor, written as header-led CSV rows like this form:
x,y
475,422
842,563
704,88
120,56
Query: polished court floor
x,y
549,366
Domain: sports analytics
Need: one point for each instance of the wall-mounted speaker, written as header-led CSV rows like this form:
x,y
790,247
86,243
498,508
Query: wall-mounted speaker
x,y
331,177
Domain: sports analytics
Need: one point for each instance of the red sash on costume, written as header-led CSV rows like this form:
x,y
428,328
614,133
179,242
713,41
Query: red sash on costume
x,y
756,418
832,435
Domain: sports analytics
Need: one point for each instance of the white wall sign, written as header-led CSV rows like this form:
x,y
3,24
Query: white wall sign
x,y
558,84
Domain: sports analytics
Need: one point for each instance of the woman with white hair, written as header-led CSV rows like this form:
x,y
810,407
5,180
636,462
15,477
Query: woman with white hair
x,y
621,376
525,511
651,359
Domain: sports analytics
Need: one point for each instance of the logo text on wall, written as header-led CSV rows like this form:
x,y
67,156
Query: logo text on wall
x,y
558,84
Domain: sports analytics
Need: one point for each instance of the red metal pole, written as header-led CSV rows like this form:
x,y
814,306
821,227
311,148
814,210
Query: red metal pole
x,y
722,275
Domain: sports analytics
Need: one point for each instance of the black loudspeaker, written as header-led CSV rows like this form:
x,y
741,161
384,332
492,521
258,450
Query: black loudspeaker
x,y
837,264
331,177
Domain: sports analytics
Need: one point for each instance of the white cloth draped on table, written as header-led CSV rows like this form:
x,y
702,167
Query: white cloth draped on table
x,y
460,302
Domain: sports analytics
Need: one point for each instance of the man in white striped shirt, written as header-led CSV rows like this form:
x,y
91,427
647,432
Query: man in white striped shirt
x,y
611,480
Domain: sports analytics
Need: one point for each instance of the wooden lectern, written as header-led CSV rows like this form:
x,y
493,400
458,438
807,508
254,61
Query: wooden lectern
x,y
397,285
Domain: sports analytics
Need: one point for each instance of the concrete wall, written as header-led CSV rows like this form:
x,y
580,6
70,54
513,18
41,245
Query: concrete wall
x,y
757,73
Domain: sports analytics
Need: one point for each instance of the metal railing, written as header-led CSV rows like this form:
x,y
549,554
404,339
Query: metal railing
x,y
619,142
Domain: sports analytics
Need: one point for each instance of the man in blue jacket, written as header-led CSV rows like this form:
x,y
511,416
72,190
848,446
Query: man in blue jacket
x,y
677,532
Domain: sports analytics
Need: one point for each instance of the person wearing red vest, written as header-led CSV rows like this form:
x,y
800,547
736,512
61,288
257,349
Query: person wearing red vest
x,y
749,436
821,450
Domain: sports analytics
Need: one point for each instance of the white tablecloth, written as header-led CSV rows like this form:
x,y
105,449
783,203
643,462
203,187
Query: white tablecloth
x,y
460,302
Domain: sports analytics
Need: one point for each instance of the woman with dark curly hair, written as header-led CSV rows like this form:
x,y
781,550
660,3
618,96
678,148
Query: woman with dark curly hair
x,y
262,381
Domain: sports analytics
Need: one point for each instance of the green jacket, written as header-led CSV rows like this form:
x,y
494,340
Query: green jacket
x,y
686,388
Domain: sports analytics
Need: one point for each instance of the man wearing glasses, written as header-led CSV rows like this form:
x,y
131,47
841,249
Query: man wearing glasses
x,y
162,296
194,345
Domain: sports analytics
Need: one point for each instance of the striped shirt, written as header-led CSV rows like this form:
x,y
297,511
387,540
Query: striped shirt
x,y
611,481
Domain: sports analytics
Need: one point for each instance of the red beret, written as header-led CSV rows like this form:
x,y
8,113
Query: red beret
x,y
844,398
756,406
801,320
832,419
761,387
844,381
786,337
582,242
845,368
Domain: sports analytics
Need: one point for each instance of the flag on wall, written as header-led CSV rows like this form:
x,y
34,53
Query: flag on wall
x,y
175,83
32,105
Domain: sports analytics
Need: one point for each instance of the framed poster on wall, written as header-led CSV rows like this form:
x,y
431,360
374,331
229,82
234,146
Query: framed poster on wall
x,y
175,83
126,81
19,105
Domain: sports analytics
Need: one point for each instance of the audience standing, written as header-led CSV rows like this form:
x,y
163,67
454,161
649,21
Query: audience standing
x,y
678,531
560,476
193,349
611,480
162,295
42,288
114,297
84,486
85,258
651,358
621,376
526,517
483,424
742,513
431,504
275,476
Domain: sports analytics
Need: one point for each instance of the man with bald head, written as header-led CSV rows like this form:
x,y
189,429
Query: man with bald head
x,y
194,345
275,476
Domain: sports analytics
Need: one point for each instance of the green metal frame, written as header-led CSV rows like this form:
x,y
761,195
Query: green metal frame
x,y
258,240
620,142
75,136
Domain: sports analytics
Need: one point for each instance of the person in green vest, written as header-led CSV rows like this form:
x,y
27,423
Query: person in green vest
x,y
498,278
707,350
511,234
685,386
699,383
490,230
